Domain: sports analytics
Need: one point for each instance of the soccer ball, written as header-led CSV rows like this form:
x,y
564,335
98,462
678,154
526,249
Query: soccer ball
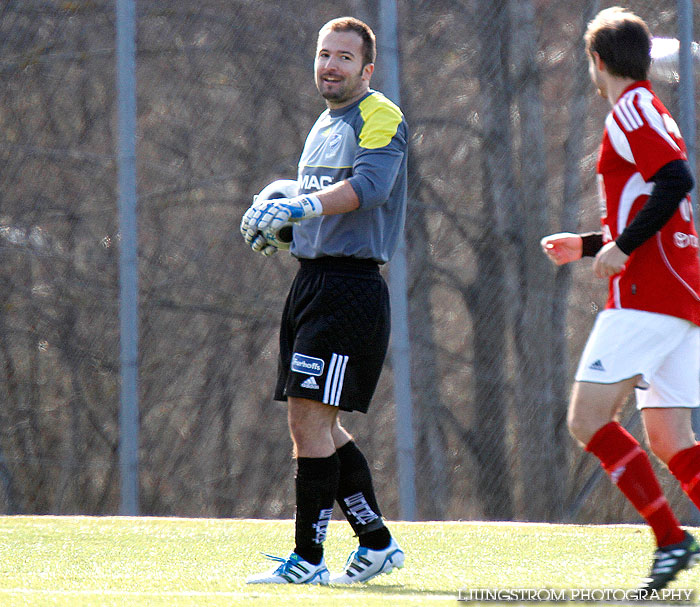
x,y
281,188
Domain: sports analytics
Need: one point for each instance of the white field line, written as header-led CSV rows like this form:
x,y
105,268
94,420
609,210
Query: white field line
x,y
228,521
224,594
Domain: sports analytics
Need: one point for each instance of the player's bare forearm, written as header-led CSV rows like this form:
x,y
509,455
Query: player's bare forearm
x,y
563,247
338,198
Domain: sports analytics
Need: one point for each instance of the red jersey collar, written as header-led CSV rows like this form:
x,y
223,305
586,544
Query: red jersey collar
x,y
643,83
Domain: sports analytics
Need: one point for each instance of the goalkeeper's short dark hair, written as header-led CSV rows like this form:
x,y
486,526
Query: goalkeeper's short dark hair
x,y
351,24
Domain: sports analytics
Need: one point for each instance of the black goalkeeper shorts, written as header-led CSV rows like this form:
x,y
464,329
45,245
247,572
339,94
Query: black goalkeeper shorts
x,y
335,333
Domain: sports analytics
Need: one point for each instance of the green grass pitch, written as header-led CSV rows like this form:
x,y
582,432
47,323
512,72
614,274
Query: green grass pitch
x,y
115,561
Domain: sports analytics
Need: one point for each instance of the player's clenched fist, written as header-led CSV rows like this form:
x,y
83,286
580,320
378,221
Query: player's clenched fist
x,y
563,247
609,260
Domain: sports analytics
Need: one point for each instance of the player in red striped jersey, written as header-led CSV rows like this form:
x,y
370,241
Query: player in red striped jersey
x,y
648,335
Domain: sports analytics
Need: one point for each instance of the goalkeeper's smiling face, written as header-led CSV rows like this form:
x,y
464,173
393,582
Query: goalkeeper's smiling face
x,y
340,76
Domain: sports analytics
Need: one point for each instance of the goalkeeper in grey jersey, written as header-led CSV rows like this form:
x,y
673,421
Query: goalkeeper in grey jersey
x,y
334,334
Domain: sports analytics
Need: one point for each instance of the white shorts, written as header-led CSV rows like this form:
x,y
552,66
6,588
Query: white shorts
x,y
664,349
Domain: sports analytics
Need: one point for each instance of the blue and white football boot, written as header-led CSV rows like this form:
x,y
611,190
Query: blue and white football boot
x,y
292,570
364,564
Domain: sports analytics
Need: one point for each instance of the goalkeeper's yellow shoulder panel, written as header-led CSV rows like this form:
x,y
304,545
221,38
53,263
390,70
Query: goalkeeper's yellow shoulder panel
x,y
381,119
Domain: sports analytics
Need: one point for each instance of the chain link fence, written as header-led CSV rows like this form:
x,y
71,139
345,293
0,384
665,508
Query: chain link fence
x,y
505,128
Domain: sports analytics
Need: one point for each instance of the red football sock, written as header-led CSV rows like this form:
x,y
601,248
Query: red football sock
x,y
630,469
685,466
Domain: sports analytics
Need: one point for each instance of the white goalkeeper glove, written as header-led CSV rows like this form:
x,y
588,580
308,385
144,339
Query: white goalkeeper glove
x,y
259,243
273,214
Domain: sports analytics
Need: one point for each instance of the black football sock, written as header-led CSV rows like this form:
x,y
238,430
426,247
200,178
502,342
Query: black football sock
x,y
357,500
376,540
316,486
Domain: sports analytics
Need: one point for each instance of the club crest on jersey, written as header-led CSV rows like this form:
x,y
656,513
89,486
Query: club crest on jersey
x,y
307,364
334,142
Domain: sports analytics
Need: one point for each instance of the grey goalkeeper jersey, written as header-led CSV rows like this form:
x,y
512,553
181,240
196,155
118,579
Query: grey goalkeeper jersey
x,y
365,144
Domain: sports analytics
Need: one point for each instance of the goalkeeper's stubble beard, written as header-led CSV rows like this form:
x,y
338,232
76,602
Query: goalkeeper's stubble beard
x,y
343,90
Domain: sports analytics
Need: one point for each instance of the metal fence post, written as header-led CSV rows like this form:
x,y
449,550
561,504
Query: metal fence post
x,y
686,86
400,350
128,257
687,118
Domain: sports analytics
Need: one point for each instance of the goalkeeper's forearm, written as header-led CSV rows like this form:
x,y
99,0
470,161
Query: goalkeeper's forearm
x,y
338,198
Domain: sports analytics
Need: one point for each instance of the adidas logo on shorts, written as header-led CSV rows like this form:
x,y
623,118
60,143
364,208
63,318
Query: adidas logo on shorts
x,y
597,366
310,383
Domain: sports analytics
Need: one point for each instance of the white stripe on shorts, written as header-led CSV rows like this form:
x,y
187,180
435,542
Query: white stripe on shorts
x,y
334,379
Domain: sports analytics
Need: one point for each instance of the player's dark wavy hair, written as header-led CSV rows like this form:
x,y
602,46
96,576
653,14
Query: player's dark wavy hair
x,y
351,24
622,40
